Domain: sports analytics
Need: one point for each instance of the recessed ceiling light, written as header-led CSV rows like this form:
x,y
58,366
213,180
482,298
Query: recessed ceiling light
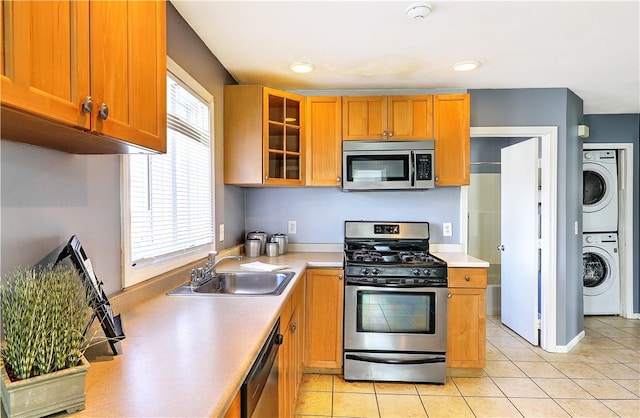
x,y
302,67
466,66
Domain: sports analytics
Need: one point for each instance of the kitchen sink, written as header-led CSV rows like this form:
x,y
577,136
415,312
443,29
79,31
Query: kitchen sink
x,y
241,283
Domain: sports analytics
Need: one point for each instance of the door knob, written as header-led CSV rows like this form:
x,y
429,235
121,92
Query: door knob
x,y
500,247
87,105
104,111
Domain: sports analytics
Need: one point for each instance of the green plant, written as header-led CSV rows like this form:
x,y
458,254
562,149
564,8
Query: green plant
x,y
44,311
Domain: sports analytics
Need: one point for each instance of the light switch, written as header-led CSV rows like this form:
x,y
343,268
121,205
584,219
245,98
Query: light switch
x,y
221,234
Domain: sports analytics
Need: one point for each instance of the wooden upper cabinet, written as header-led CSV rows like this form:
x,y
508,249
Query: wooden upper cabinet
x,y
128,71
387,117
324,144
410,117
263,136
45,58
85,77
452,139
364,117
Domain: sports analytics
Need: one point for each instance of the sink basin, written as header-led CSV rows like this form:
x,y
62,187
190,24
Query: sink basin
x,y
242,283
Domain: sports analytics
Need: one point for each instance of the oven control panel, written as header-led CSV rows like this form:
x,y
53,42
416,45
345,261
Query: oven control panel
x,y
391,273
398,282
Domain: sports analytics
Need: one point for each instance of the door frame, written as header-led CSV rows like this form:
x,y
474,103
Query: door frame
x,y
625,221
549,213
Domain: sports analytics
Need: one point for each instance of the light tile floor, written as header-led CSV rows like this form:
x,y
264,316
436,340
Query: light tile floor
x,y
600,377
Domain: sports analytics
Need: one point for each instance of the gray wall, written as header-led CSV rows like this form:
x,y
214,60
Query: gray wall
x,y
320,212
623,129
561,108
48,196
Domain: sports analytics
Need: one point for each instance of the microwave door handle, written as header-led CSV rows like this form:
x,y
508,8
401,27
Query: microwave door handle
x,y
412,170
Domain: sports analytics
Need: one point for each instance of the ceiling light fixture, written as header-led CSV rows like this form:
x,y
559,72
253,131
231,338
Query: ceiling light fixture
x,y
418,11
302,67
466,66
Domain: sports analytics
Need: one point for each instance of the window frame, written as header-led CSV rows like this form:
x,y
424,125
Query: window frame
x,y
132,275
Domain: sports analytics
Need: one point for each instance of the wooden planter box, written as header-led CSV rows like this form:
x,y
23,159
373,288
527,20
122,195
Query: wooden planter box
x,y
38,396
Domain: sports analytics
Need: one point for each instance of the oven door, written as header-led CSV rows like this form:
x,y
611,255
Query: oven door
x,y
395,319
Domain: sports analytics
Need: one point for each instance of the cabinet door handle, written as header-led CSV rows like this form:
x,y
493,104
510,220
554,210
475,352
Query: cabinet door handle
x,y
467,278
294,327
87,105
104,111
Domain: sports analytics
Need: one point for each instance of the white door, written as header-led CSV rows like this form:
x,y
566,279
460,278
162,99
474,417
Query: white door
x,y
519,238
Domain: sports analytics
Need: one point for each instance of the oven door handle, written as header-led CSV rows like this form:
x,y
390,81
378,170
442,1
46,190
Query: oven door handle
x,y
395,361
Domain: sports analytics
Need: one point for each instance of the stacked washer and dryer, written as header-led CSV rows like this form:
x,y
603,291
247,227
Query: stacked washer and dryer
x,y
600,260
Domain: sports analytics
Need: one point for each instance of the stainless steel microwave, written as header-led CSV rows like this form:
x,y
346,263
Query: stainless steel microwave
x,y
388,165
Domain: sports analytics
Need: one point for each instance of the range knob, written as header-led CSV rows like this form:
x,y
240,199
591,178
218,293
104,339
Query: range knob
x,y
416,272
428,272
364,271
375,271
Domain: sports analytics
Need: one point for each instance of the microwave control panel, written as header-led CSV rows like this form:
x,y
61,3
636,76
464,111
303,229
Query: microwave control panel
x,y
424,169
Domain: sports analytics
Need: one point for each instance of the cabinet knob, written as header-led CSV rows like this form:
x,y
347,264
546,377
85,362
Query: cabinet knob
x,y
437,179
390,134
338,179
449,295
103,113
384,133
294,327
467,278
340,277
87,105
266,177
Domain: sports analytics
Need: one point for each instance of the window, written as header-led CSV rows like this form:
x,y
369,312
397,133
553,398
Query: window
x,y
168,221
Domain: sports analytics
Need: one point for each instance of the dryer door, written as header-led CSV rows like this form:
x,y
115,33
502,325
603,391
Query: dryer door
x,y
598,189
598,271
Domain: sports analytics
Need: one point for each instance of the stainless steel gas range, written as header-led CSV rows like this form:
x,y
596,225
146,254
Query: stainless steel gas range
x,y
395,307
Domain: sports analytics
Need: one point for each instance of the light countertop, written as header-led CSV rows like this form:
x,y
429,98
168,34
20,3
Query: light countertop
x,y
461,260
188,355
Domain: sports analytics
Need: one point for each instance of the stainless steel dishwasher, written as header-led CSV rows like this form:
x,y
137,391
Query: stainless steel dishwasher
x,y
259,391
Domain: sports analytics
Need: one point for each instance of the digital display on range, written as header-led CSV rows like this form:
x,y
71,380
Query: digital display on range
x,y
386,228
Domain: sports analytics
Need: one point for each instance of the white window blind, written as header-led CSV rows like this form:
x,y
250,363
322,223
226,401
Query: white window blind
x,y
170,195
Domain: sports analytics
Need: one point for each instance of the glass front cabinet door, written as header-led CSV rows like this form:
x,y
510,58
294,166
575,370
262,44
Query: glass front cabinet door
x,y
283,142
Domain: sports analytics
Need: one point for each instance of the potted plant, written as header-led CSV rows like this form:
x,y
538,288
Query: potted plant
x,y
44,312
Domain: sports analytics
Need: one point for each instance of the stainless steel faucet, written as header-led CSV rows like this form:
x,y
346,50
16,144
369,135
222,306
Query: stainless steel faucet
x,y
202,275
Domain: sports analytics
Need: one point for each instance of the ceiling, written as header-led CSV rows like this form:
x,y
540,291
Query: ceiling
x,y
590,47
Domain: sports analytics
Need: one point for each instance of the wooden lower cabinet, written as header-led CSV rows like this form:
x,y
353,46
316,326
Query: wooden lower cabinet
x,y
234,410
324,308
466,318
291,352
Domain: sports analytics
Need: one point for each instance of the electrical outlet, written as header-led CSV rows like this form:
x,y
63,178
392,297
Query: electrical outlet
x,y
447,229
221,234
292,227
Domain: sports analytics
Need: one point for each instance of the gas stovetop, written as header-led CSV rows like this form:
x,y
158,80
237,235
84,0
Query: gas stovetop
x,y
391,253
